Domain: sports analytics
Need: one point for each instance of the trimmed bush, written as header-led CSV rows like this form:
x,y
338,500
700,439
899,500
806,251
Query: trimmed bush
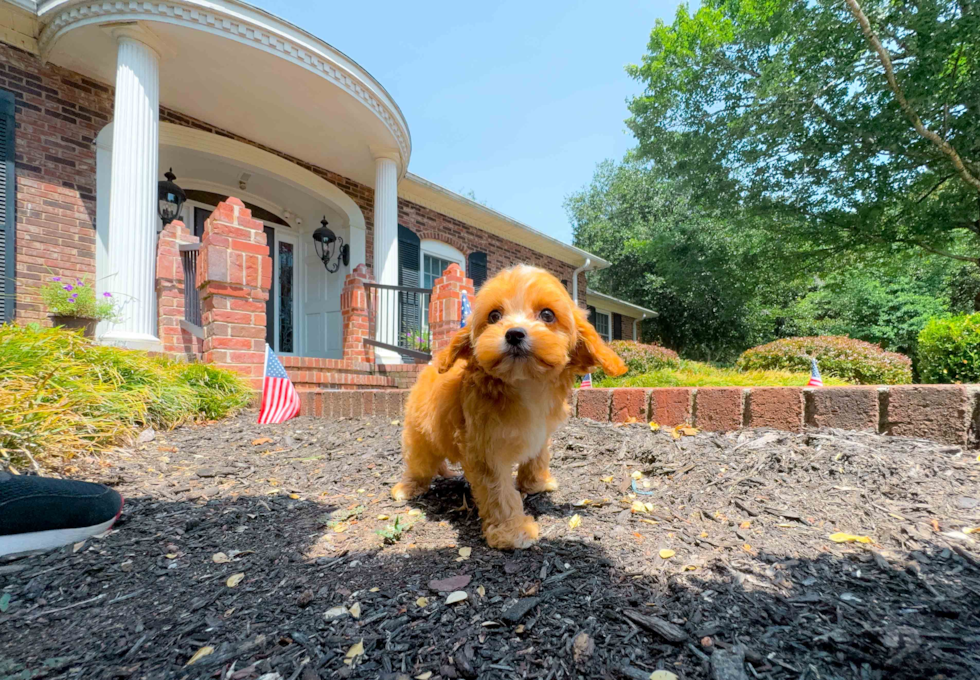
x,y
697,374
949,350
838,356
61,395
640,358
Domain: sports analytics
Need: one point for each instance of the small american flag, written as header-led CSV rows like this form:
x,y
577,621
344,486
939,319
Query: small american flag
x,y
279,399
586,380
815,380
467,310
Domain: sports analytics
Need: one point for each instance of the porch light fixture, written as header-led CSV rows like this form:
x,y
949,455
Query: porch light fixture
x,y
170,198
328,245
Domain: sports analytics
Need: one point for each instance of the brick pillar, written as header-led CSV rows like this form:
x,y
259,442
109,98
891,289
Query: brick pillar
x,y
170,292
234,274
354,311
445,307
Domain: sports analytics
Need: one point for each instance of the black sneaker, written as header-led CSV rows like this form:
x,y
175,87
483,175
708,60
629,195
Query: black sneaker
x,y
39,513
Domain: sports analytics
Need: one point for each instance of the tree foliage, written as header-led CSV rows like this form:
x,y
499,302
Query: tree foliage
x,y
706,275
848,126
722,282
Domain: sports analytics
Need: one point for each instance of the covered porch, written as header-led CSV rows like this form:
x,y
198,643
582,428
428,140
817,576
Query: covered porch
x,y
231,98
214,289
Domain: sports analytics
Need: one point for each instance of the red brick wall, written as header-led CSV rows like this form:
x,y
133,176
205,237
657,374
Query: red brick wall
x,y
58,114
628,328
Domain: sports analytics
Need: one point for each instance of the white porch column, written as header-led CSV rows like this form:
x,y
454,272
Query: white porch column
x,y
132,239
386,248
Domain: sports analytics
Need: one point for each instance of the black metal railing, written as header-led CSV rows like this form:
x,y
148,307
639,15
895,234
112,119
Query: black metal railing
x,y
192,299
399,319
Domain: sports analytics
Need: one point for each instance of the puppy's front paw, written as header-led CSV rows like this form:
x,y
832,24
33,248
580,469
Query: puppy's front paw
x,y
402,491
514,535
537,484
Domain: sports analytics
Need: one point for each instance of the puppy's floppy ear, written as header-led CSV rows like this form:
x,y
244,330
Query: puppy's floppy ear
x,y
459,348
592,351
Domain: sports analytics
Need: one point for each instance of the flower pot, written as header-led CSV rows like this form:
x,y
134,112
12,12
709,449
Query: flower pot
x,y
86,325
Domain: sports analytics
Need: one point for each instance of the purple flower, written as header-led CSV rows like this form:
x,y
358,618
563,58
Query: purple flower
x,y
68,287
57,278
71,300
79,282
107,294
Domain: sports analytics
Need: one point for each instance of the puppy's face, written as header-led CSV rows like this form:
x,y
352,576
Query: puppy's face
x,y
524,326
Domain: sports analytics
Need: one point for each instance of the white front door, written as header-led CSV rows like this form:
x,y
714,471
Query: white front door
x,y
321,307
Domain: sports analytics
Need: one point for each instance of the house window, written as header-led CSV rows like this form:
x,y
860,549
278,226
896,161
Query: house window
x,y
601,323
436,257
432,269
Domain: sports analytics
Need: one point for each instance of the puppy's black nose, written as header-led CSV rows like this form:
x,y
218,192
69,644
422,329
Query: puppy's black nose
x,y
515,336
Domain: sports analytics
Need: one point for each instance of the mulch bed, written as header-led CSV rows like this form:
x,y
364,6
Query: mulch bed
x,y
302,511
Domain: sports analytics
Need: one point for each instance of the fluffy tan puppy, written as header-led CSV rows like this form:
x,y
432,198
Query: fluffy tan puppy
x,y
492,399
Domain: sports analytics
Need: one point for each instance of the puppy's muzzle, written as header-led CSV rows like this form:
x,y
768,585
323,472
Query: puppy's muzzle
x,y
516,339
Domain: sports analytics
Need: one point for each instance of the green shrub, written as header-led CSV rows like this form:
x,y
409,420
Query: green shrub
x,y
217,392
697,374
640,358
949,350
61,395
838,356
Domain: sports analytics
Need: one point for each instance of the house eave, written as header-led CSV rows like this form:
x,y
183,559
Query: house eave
x,y
608,302
431,195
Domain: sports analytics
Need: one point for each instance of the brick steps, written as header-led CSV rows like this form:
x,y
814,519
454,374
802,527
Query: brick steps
x,y
330,379
945,413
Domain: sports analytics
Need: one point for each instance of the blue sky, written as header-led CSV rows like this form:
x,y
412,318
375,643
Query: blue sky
x,y
515,101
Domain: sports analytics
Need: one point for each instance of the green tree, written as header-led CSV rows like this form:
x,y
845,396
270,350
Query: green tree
x,y
850,127
887,303
712,280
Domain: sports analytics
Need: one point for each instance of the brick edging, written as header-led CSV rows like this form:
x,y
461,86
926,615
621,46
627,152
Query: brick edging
x,y
945,413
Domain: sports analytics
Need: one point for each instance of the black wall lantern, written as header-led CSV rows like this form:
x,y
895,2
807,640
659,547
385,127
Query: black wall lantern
x,y
327,245
170,197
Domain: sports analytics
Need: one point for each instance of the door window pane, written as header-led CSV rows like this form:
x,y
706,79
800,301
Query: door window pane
x,y
285,296
270,304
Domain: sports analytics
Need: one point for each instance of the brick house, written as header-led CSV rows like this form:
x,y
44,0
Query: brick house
x,y
99,99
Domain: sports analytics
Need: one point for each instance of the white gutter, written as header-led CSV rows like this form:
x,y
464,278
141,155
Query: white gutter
x,y
584,267
636,337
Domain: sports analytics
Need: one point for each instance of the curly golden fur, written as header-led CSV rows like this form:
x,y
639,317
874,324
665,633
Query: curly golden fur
x,y
492,399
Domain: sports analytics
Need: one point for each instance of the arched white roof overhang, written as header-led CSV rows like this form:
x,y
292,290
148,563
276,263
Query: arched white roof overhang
x,y
240,69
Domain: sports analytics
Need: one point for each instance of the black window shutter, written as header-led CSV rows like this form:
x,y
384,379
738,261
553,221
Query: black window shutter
x,y
8,202
617,326
476,269
409,259
591,314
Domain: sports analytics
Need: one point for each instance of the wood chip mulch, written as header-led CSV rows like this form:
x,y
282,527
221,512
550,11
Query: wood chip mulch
x,y
276,552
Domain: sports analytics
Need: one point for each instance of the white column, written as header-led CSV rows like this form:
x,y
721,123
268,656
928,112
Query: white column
x,y
386,248
132,238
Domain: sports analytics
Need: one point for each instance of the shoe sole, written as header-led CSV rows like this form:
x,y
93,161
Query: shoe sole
x,y
56,538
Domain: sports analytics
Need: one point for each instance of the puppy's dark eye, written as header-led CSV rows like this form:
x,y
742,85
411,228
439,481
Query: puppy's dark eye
x,y
494,316
546,315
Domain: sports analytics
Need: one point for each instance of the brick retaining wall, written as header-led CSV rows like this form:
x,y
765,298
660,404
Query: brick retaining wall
x,y
944,413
